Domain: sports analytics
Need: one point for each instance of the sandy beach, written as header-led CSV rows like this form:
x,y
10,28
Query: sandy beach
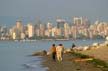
x,y
68,64
99,53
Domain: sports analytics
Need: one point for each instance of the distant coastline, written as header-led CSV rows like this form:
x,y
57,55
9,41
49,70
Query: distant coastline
x,y
30,40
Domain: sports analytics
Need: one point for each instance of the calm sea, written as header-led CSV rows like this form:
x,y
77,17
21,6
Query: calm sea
x,y
15,56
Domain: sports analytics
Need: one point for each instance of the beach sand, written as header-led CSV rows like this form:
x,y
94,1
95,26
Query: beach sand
x,y
99,53
68,64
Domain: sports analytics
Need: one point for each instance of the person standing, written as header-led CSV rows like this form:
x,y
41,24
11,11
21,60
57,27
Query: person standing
x,y
53,51
73,45
59,52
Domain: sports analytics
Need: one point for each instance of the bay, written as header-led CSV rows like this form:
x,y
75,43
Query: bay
x,y
15,56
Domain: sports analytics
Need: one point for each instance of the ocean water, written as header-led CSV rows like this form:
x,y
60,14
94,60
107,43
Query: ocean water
x,y
15,56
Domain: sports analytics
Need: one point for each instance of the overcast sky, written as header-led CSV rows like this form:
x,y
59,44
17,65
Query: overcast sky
x,y
50,9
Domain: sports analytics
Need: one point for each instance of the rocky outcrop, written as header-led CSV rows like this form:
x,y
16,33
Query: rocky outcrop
x,y
41,53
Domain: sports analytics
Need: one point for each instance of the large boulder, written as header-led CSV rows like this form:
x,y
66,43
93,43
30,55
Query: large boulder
x,y
49,53
106,38
106,43
95,44
67,50
41,53
79,48
86,48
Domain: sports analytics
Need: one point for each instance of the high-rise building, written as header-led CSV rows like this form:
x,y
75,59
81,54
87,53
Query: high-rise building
x,y
78,21
30,30
100,27
60,26
11,30
60,23
19,25
22,36
14,36
54,32
4,32
66,30
41,30
86,22
49,25
106,31
59,32
74,32
90,34
47,33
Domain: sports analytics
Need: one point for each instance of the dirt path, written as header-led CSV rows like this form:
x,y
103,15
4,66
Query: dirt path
x,y
68,64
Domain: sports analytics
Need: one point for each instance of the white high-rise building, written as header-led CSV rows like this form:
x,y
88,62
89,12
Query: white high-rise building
x,y
30,30
54,32
66,30
14,36
49,25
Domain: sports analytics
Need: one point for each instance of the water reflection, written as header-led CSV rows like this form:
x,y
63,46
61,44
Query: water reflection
x,y
34,64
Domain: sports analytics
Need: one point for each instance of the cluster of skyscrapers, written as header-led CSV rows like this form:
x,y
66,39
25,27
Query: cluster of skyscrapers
x,y
80,28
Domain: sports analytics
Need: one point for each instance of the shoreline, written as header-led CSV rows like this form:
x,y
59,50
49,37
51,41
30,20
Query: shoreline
x,y
48,40
97,52
68,64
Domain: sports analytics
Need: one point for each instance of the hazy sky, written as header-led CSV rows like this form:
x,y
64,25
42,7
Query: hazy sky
x,y
51,9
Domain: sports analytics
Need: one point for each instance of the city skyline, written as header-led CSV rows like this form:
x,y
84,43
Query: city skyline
x,y
80,29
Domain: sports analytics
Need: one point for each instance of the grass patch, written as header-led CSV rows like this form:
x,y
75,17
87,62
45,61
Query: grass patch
x,y
101,64
80,55
97,62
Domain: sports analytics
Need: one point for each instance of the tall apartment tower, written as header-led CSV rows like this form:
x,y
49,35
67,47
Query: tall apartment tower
x,y
60,23
49,25
30,30
19,25
66,30
60,27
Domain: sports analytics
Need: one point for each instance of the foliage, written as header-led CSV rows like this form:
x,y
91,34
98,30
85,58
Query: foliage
x,y
100,63
80,55
97,62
